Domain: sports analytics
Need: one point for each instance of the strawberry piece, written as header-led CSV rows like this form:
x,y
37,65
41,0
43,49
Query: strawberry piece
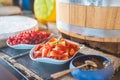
x,y
38,47
37,54
72,52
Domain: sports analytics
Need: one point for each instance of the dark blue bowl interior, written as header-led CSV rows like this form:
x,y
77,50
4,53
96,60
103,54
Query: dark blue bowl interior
x,y
100,59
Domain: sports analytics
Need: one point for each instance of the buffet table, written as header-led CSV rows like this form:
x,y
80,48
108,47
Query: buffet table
x,y
40,71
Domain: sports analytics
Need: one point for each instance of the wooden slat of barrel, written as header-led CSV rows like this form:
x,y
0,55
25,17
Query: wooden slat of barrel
x,y
91,17
110,24
117,21
117,25
63,13
111,16
77,16
96,17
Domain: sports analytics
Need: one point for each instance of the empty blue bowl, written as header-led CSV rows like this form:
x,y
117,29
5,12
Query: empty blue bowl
x,y
104,73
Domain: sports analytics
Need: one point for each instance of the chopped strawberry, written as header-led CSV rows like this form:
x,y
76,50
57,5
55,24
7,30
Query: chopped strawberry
x,y
64,57
37,54
72,52
53,53
38,47
44,52
61,51
52,40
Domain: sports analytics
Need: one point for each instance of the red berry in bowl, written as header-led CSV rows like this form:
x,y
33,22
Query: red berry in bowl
x,y
29,37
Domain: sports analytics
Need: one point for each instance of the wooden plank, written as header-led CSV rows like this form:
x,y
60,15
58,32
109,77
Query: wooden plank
x,y
117,21
90,22
77,15
110,25
96,17
111,17
63,12
90,17
77,18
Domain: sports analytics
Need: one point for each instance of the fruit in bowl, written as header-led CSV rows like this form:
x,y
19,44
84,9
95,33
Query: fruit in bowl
x,y
31,37
55,51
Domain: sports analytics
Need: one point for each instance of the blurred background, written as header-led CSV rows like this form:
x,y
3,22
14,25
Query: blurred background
x,y
43,10
23,4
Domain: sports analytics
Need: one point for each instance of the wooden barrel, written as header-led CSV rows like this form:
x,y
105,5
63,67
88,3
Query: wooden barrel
x,y
89,23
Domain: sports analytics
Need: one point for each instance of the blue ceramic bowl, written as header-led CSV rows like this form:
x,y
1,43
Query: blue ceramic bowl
x,y
104,73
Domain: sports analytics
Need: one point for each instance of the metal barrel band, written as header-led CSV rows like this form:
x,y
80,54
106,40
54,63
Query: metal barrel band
x,y
85,31
114,3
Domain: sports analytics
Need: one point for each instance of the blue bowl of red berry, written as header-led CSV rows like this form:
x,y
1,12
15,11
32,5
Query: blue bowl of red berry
x,y
28,39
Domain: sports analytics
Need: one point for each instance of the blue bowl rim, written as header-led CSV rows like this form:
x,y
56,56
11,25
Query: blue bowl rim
x,y
110,63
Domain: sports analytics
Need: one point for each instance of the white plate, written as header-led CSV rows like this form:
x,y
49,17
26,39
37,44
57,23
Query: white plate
x,y
50,60
26,46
